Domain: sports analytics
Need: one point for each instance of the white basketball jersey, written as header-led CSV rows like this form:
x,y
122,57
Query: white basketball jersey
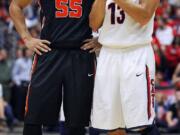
x,y
119,30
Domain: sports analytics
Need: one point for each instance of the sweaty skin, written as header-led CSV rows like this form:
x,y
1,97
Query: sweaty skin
x,y
37,45
141,13
16,13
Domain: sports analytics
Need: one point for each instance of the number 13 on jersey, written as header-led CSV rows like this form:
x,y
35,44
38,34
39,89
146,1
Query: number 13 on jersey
x,y
116,19
68,8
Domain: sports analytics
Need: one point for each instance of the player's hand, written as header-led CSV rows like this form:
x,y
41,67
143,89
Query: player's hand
x,y
91,44
37,45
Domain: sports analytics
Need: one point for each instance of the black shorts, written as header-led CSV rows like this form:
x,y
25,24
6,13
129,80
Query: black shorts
x,y
61,75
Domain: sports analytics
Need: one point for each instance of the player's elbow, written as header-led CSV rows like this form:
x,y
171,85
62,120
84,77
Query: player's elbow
x,y
92,22
95,23
14,7
11,9
93,26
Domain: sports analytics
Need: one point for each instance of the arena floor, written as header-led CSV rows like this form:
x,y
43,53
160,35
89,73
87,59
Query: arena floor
x,y
18,131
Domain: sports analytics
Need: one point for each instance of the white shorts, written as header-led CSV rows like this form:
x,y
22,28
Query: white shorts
x,y
124,88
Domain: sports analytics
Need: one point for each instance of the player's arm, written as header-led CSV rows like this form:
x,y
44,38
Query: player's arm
x,y
97,14
16,13
141,12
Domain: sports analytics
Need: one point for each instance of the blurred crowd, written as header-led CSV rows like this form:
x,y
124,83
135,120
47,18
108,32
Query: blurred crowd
x,y
16,60
166,44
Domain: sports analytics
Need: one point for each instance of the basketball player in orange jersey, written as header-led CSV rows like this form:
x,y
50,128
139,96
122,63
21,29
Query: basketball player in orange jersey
x,y
124,83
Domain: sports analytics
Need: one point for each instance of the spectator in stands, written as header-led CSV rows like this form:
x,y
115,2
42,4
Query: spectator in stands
x,y
5,75
160,81
3,11
19,53
164,33
176,77
173,117
161,110
176,21
21,78
6,114
174,2
172,54
2,115
2,40
162,8
159,55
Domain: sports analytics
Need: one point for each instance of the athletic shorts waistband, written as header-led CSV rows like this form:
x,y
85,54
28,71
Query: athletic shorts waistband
x,y
67,45
126,49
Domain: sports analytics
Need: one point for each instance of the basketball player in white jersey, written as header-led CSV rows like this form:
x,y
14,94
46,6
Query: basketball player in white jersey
x,y
124,84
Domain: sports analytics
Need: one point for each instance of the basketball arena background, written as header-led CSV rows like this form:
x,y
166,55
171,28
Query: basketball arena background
x,y
15,65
